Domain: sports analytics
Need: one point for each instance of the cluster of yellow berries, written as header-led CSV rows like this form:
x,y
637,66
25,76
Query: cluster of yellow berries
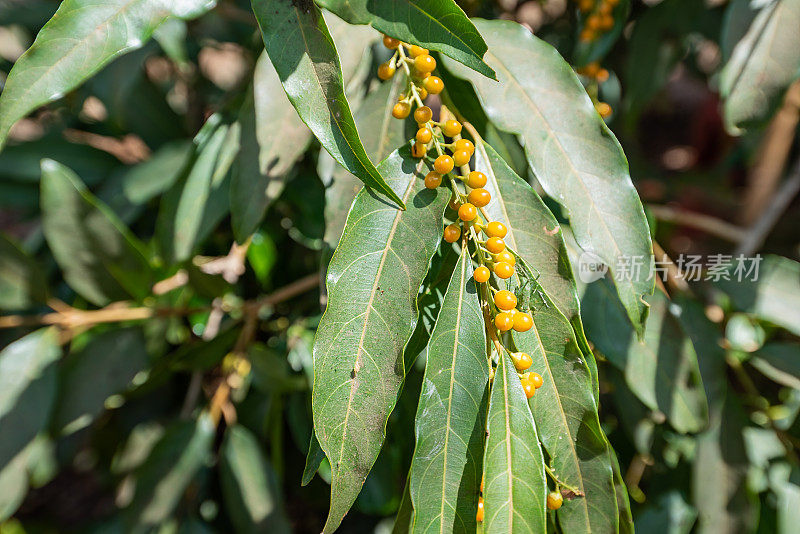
x,y
599,20
597,74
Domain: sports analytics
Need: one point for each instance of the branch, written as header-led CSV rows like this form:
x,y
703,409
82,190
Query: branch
x,y
706,223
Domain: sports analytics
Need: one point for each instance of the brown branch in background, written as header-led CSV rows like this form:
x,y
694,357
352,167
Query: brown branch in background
x,y
765,175
698,221
675,278
778,204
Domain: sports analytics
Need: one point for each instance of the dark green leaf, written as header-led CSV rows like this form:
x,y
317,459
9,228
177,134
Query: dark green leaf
x,y
669,514
565,412
79,40
196,203
450,423
661,369
779,362
405,514
273,138
435,24
27,389
387,134
13,483
249,487
302,51
373,280
574,155
108,362
100,258
763,64
172,464
22,283
313,460
515,488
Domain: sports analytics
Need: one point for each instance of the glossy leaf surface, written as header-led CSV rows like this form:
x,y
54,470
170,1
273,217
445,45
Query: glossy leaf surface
x,y
373,281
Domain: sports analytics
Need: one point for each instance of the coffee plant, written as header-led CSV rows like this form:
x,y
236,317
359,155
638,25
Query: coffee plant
x,y
383,266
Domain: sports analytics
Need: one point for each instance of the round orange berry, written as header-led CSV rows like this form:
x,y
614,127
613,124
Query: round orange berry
x,y
496,229
390,42
554,500
419,150
401,110
433,84
423,94
594,22
451,233
479,514
461,157
522,321
495,245
602,76
505,300
423,114
424,63
476,179
503,270
415,51
522,361
606,22
467,212
443,164
528,388
479,197
424,135
506,256
536,380
385,71
465,144
451,128
481,274
504,322
433,180
603,109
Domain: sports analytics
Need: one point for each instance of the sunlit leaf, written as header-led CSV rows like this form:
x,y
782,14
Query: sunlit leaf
x,y
779,362
373,281
82,37
450,423
22,283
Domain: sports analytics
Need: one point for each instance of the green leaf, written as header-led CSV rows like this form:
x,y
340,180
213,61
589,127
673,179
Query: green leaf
x,y
100,258
533,231
373,280
27,389
450,422
172,464
779,362
565,411
314,458
249,488
273,138
661,369
82,37
669,514
435,24
302,51
22,283
771,293
405,513
387,134
13,483
108,362
574,155
719,477
197,202
515,488
763,64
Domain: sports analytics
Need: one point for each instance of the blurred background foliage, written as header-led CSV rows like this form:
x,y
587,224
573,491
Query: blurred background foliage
x,y
101,425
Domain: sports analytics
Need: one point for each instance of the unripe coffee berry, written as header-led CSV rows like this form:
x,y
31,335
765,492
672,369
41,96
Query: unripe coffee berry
x,y
443,164
467,212
433,180
423,114
479,197
451,234
481,274
495,245
476,179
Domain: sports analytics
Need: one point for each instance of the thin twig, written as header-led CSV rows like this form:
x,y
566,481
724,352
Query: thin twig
x,y
699,221
675,278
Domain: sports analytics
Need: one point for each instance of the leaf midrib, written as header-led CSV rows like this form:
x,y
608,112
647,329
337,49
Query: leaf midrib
x,y
437,22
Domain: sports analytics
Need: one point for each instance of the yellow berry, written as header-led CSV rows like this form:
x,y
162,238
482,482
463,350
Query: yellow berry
x,y
479,197
451,128
495,245
390,42
481,274
505,300
424,63
603,109
424,135
537,380
433,180
385,71
476,179
401,110
461,157
522,362
503,270
522,322
506,257
443,164
451,234
465,144
419,150
554,500
503,321
423,94
415,51
467,212
423,114
479,514
496,229
433,85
